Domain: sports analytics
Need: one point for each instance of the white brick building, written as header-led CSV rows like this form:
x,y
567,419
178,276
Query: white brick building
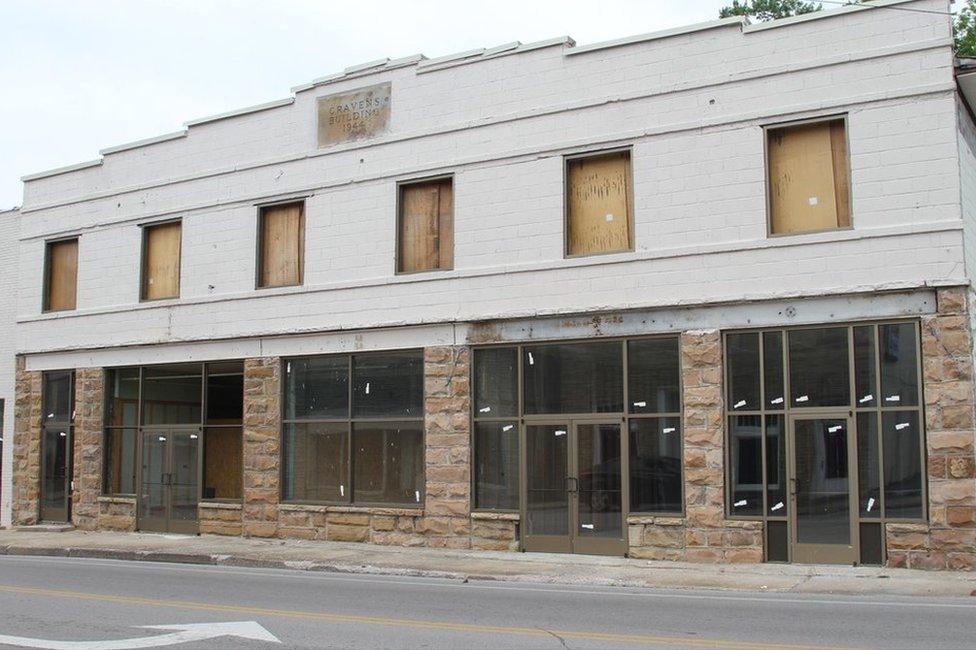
x,y
697,113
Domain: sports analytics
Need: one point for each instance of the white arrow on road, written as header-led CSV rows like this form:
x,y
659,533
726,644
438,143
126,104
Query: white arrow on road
x,y
182,634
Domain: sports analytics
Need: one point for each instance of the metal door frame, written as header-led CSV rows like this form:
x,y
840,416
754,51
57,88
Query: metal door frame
x,y
168,525
824,553
59,515
571,542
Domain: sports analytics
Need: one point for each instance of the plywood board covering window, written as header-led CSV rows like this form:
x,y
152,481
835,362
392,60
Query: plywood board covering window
x,y
161,261
426,226
599,213
808,177
62,275
281,248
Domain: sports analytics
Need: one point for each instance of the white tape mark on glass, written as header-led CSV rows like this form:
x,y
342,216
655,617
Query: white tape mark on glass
x,y
668,430
640,404
587,526
777,506
193,436
63,434
560,432
870,503
508,427
902,425
834,429
778,400
416,495
803,398
739,504
893,398
162,439
288,367
342,490
487,409
866,398
531,360
739,404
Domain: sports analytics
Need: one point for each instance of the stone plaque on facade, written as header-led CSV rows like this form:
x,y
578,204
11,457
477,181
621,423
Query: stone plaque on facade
x,y
354,115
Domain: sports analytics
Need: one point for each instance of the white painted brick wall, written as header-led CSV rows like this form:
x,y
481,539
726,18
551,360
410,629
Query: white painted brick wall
x,y
8,261
691,106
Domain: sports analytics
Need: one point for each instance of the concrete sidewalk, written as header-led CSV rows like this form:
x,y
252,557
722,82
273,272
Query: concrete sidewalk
x,y
483,565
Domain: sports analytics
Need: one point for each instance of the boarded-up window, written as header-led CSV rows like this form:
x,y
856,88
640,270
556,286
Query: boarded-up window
x,y
161,261
281,245
808,181
426,226
599,206
62,275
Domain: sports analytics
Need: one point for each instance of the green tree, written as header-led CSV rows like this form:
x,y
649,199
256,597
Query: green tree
x,y
964,30
963,27
763,10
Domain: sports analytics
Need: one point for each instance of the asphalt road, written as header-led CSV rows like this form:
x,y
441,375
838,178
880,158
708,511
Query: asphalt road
x,y
100,601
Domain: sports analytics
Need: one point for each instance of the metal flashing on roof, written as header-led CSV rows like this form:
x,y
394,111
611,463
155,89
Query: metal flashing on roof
x,y
457,56
61,170
366,66
241,111
145,142
380,65
505,47
736,21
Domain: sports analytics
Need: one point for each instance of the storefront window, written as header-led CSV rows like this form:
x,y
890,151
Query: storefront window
x,y
570,383
353,430
161,397
882,398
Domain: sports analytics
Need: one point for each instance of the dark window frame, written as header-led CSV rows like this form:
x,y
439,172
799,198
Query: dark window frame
x,y
140,426
350,421
854,407
144,258
46,283
521,418
631,218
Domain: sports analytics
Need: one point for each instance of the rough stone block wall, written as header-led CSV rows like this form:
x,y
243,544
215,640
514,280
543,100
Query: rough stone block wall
x,y
87,452
948,540
221,518
27,446
703,533
494,531
447,415
262,445
445,518
117,513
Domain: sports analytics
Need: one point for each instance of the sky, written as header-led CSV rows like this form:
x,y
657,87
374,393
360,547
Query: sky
x,y
79,76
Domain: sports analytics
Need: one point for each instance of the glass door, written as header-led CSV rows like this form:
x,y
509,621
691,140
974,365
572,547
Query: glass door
x,y
599,521
55,473
548,485
573,495
822,470
169,480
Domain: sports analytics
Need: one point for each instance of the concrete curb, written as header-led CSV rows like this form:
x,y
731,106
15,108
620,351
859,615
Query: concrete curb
x,y
765,579
219,559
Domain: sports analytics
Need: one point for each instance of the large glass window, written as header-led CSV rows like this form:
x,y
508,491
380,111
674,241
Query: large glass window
x,y
655,465
819,370
209,396
883,393
353,429
573,378
576,379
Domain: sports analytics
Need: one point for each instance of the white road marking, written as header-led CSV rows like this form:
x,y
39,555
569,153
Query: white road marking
x,y
181,634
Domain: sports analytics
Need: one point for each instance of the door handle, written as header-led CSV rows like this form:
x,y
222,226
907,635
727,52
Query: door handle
x,y
575,484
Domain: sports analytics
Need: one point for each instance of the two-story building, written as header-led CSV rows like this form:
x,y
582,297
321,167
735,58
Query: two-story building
x,y
700,294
